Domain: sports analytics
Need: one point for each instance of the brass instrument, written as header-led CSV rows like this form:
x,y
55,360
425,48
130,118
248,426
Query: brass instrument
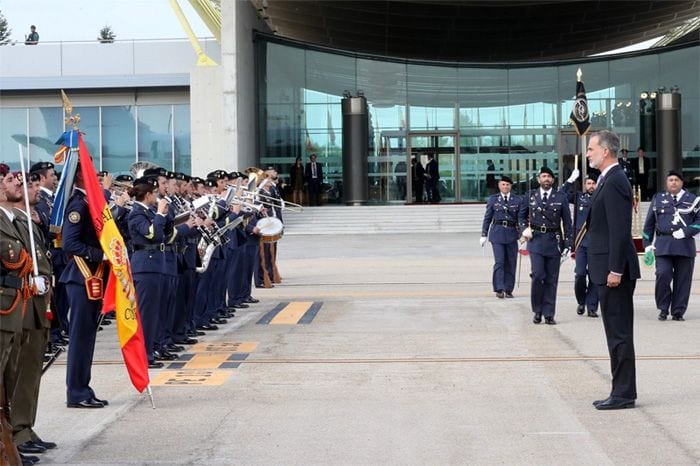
x,y
137,168
264,200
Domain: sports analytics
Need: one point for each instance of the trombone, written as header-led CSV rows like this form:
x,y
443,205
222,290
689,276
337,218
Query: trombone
x,y
256,197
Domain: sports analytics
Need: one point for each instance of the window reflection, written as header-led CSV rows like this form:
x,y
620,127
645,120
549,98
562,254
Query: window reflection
x,y
118,138
13,131
155,135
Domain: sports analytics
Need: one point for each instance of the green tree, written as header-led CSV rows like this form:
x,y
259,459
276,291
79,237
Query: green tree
x,y
5,30
107,35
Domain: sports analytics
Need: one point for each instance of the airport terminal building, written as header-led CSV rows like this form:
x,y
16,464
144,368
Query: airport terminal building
x,y
272,99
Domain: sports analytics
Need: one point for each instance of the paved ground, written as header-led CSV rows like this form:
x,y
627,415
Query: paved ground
x,y
410,359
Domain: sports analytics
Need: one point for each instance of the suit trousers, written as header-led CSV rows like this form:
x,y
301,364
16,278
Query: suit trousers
x,y
545,278
617,309
504,268
679,270
25,399
84,314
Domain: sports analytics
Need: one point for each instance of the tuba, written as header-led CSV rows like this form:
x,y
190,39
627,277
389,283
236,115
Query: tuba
x,y
137,168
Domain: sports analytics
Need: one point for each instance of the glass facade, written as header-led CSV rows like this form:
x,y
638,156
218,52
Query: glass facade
x,y
116,136
479,121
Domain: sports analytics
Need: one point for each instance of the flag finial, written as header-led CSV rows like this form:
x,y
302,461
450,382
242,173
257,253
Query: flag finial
x,y
70,119
579,73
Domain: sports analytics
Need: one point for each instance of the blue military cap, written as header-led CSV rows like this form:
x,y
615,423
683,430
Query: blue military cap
x,y
124,178
102,173
547,170
210,183
197,180
41,166
674,173
147,180
157,171
507,179
34,176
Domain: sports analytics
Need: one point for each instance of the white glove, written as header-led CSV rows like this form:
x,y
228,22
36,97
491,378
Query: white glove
x,y
483,241
39,285
678,234
649,248
566,252
527,233
574,175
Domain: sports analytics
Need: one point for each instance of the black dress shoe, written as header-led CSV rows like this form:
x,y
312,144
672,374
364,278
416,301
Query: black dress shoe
x,y
155,365
173,348
579,309
30,447
104,402
163,355
592,313
662,315
229,314
251,300
537,318
91,403
106,322
500,295
240,306
207,327
549,321
195,333
188,341
218,321
47,445
678,317
509,295
28,460
615,402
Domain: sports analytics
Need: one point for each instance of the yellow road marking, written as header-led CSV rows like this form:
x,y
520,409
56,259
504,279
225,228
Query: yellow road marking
x,y
206,361
292,313
190,377
224,347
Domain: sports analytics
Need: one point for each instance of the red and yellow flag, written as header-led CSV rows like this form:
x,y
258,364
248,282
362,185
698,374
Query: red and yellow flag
x,y
120,294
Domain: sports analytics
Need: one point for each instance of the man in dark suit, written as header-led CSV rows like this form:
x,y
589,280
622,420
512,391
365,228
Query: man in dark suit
x,y
432,177
418,177
613,265
314,178
642,168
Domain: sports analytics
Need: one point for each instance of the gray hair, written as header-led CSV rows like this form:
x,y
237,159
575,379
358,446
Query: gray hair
x,y
608,140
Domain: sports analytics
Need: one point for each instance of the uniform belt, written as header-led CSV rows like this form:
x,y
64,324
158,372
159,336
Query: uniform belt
x,y
663,233
504,223
543,229
10,281
162,247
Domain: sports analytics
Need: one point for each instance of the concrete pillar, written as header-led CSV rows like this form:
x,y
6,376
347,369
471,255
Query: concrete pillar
x,y
668,135
355,149
206,115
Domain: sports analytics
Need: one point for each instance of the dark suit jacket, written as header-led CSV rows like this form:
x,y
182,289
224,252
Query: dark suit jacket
x,y
319,173
610,245
432,169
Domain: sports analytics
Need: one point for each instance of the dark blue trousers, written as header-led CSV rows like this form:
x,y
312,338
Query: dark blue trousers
x,y
165,331
504,268
183,305
149,293
545,278
252,260
234,276
84,315
584,289
679,270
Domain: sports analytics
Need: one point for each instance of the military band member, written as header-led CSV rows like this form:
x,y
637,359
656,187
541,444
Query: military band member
x,y
84,278
585,291
500,227
28,363
546,225
673,219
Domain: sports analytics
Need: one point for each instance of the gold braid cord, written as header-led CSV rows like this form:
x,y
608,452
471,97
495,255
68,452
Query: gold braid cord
x,y
24,267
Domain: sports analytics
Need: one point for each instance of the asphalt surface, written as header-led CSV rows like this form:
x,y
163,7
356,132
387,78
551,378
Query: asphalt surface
x,y
409,359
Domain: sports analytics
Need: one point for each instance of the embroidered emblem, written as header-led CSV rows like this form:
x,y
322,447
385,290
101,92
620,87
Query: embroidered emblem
x,y
74,217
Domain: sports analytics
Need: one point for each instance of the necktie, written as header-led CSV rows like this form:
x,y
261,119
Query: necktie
x,y
544,197
675,198
313,170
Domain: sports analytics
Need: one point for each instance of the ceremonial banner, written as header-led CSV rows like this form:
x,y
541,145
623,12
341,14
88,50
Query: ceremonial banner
x,y
579,115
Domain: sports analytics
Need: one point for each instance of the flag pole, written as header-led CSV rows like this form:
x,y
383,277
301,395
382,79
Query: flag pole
x,y
583,142
150,395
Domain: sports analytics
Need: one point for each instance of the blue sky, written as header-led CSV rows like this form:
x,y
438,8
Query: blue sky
x,y
80,20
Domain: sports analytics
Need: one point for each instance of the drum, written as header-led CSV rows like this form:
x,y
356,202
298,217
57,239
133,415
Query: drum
x,y
271,229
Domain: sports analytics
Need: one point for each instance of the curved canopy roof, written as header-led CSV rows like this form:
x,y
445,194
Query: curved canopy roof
x,y
475,31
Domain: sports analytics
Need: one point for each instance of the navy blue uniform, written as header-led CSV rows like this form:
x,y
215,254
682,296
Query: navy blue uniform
x,y
501,226
675,258
546,219
584,289
80,240
146,229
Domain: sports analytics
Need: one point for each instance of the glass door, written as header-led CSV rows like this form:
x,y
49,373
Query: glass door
x,y
388,168
437,153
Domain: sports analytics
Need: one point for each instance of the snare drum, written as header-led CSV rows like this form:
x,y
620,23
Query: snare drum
x,y
271,229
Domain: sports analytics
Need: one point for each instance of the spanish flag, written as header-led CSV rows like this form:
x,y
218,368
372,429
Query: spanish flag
x,y
120,294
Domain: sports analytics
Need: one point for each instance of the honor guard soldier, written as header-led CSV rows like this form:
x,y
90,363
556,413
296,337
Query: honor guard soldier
x,y
15,270
500,227
673,219
84,278
584,289
26,367
546,225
